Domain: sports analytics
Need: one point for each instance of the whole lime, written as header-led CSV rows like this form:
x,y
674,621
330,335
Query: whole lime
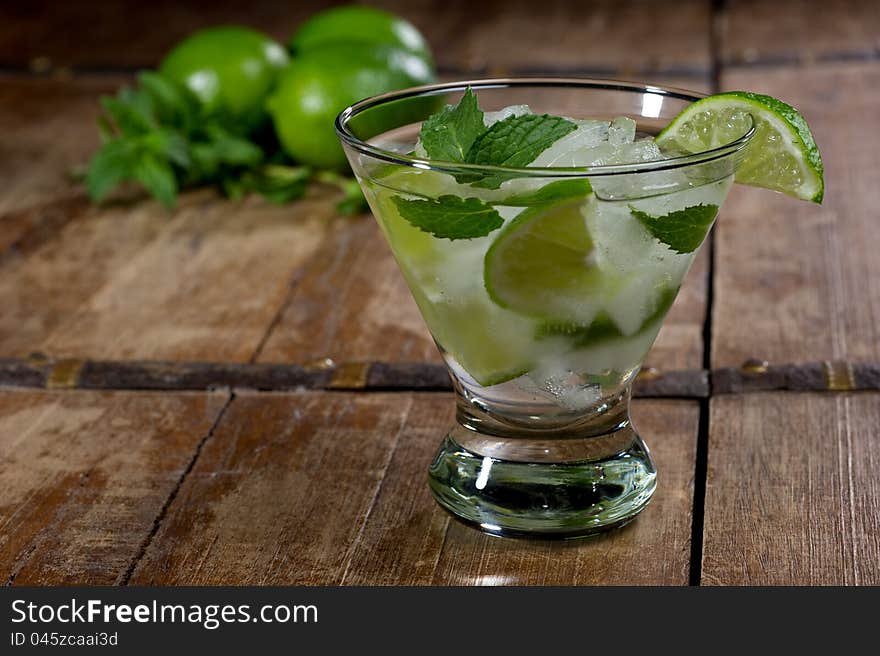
x,y
361,24
319,84
231,70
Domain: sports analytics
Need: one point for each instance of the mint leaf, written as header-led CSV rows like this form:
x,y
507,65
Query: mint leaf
x,y
172,103
129,112
449,134
551,193
157,177
450,217
683,231
112,164
276,183
515,142
215,151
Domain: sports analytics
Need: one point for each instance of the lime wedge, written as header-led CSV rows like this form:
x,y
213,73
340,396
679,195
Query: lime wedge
x,y
541,264
782,154
492,344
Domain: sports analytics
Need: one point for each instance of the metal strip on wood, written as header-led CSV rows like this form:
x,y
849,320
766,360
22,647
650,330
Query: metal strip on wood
x,y
325,374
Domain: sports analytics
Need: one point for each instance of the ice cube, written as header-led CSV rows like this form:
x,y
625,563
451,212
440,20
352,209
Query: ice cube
x,y
643,150
622,130
553,378
573,149
513,110
638,299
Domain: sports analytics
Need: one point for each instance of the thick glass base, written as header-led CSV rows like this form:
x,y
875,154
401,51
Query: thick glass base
x,y
541,499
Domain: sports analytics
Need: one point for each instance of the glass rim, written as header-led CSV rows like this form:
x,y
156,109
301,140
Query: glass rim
x,y
667,164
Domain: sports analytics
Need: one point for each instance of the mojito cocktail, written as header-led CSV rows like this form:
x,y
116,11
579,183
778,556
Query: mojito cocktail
x,y
544,233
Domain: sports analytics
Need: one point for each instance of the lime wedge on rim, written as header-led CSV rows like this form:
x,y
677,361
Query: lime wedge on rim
x,y
540,264
782,154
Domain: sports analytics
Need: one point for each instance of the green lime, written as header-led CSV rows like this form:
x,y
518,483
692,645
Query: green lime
x,y
319,84
361,24
540,264
231,70
491,344
782,154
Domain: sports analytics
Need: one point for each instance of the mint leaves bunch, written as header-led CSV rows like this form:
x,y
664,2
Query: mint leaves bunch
x,y
157,134
458,134
154,134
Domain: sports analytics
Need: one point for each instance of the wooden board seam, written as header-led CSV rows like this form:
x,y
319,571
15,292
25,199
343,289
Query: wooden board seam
x,y
157,522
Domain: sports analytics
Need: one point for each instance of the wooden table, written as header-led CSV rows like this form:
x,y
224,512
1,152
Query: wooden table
x,y
154,428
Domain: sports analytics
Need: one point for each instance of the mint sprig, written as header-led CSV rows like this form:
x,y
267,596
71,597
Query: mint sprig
x,y
450,217
157,134
458,134
515,142
684,230
449,134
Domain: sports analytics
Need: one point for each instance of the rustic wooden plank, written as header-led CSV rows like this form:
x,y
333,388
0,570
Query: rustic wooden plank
x,y
329,488
794,281
501,36
596,38
92,34
281,491
134,281
85,474
792,491
753,31
351,304
50,129
40,289
208,286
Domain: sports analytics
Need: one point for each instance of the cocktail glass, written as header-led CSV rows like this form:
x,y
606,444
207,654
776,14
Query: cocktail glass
x,y
542,338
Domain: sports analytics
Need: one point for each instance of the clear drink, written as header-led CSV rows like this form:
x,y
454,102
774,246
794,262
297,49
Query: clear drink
x,y
545,319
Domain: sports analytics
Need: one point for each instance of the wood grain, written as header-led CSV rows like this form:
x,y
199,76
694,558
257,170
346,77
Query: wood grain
x,y
501,36
135,281
91,34
520,37
753,31
795,281
50,129
283,489
792,490
351,303
85,474
329,488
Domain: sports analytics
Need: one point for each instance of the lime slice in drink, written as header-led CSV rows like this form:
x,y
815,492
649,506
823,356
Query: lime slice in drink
x,y
542,264
782,154
492,344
